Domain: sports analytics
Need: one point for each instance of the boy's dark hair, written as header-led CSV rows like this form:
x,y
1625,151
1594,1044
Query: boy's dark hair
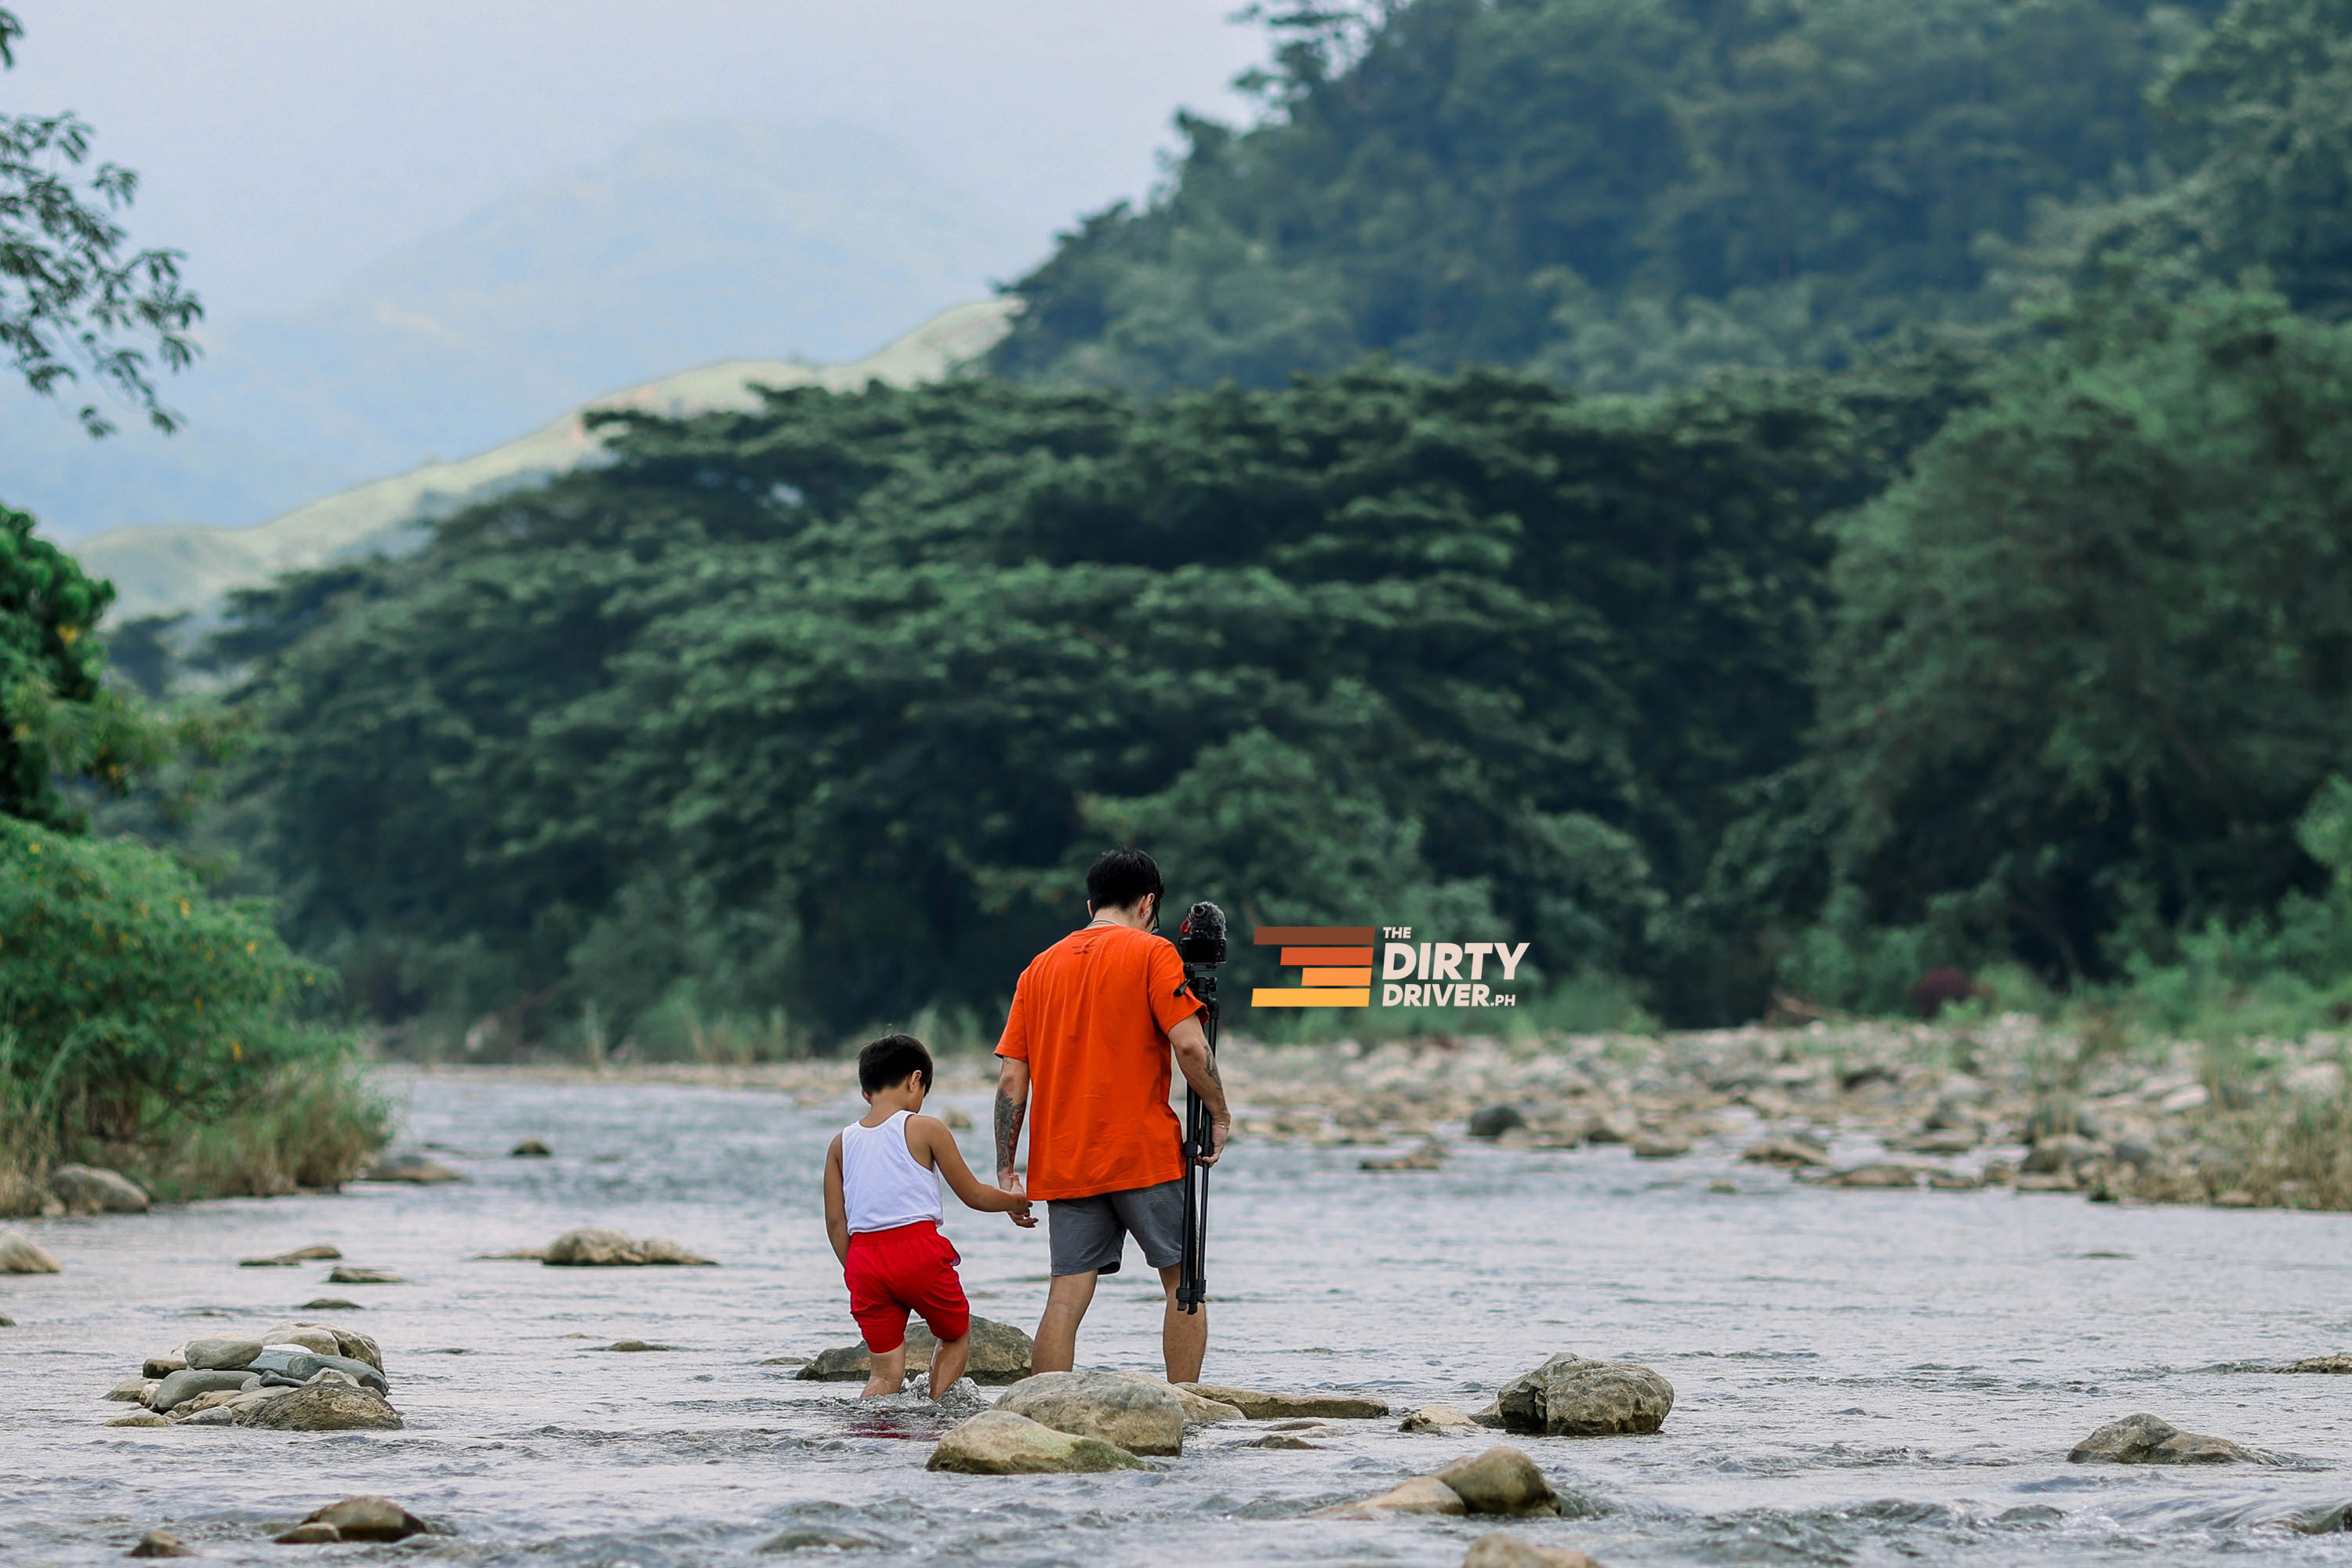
x,y
891,1059
1121,877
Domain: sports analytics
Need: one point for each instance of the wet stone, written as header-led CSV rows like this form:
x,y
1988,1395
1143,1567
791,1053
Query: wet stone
x,y
1420,1495
999,1443
309,1536
1568,1397
599,1246
417,1170
160,1544
1000,1355
85,1189
368,1518
19,1254
221,1355
1437,1418
1259,1405
1140,1417
182,1386
323,1407
820,1540
347,1274
1499,1551
2144,1439
1501,1480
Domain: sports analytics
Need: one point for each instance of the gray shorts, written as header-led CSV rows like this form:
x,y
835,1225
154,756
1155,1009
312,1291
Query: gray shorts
x,y
1086,1235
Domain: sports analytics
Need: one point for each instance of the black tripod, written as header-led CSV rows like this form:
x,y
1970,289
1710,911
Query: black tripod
x,y
1201,943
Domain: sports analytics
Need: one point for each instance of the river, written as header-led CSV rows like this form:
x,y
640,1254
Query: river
x,y
1861,1377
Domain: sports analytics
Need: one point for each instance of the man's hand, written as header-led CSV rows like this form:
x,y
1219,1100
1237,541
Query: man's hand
x,y
1219,1130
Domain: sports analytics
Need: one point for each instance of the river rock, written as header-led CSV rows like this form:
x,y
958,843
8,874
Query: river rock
x,y
1001,1354
20,1255
316,1338
309,1536
160,1544
1500,1551
367,1518
420,1169
6,1321
141,1418
2147,1440
1259,1405
1420,1495
2335,1364
182,1386
1141,1417
323,1407
221,1355
1791,1152
999,1443
1198,1412
818,1540
1430,1156
597,1247
213,1401
350,1274
1661,1146
1494,1121
306,1367
1501,1480
1877,1173
293,1260
87,1189
130,1391
164,1365
530,1149
1437,1418
1568,1397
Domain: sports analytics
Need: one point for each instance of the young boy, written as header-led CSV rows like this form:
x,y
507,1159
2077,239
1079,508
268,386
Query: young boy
x,y
882,1210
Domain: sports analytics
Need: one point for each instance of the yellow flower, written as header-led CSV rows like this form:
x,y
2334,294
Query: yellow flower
x,y
67,635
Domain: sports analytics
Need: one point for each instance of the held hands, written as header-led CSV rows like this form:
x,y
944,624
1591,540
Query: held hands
x,y
1019,1213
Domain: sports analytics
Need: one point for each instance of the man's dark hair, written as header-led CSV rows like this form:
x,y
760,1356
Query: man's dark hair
x,y
1122,877
891,1059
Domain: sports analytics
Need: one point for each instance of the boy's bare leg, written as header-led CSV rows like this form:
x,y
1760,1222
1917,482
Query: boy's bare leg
x,y
948,1363
1184,1336
1067,1301
888,1375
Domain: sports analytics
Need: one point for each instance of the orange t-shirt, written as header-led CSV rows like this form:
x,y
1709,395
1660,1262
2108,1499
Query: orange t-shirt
x,y
1091,1017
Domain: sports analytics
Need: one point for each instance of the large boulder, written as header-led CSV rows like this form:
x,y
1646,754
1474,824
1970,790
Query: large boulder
x,y
1500,1551
1140,1416
1259,1405
1501,1480
326,1406
2147,1440
598,1247
999,1443
1001,1354
85,1189
20,1255
1568,1397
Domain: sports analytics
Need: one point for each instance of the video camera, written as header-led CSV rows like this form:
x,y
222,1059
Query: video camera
x,y
1201,943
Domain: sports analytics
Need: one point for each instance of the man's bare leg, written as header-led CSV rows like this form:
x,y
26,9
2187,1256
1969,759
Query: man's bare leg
x,y
888,1375
1184,1336
948,1364
1067,1301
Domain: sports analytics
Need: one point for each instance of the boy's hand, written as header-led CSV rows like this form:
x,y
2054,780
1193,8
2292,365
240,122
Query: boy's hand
x,y
1011,1182
1023,1218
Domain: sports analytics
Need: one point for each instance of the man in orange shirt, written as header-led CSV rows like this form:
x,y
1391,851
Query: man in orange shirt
x,y
1094,1020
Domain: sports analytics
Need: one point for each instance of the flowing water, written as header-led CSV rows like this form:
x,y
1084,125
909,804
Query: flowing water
x,y
1861,1377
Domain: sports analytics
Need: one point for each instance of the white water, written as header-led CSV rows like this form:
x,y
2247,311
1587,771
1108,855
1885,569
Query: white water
x,y
1861,1377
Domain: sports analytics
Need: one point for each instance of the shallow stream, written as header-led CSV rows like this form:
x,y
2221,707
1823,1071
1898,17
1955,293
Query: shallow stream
x,y
1861,1377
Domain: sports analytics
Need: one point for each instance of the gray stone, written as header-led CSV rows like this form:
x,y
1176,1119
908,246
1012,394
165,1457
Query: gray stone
x,y
530,1149
303,1368
1568,1397
419,1170
159,1543
820,1540
308,1535
1501,1480
87,1189
2321,1364
349,1274
323,1407
182,1386
293,1260
141,1418
220,1354
1494,1121
2147,1440
20,1255
164,1365
598,1247
1437,1418
1259,1405
1141,1417
1198,1412
367,1518
999,1443
6,1321
1001,1354
1420,1495
130,1391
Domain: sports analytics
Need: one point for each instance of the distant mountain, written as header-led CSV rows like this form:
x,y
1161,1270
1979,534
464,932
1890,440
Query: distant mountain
x,y
696,242
158,571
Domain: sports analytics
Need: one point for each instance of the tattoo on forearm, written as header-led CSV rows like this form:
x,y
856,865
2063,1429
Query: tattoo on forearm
x,y
1010,1114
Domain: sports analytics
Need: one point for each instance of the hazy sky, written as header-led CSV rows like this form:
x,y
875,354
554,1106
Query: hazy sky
x,y
284,144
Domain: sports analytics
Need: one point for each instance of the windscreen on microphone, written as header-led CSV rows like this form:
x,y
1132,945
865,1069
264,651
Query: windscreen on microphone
x,y
1201,938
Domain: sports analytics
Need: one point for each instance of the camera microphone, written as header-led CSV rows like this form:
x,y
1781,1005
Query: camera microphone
x,y
1201,938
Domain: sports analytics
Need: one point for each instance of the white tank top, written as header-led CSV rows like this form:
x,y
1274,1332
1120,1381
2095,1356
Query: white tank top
x,y
885,1188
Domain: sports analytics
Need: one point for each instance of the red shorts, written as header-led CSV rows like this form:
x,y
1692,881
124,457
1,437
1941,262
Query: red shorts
x,y
910,1268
